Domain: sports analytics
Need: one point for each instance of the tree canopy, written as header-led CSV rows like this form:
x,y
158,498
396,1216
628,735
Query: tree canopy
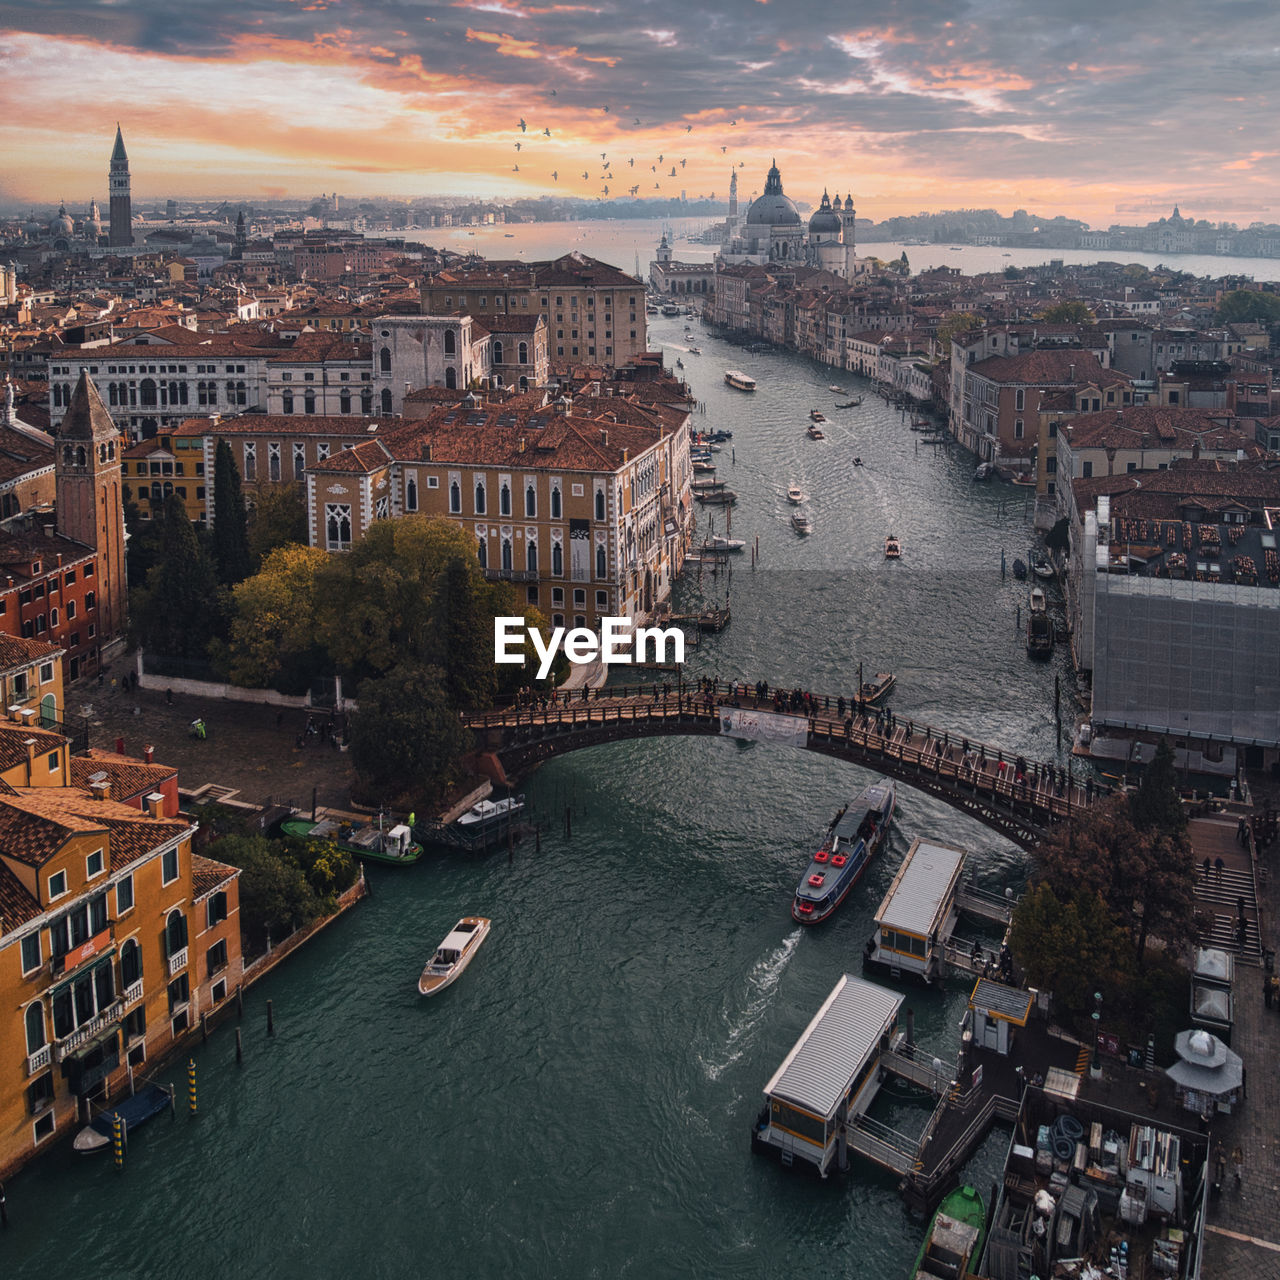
x,y
1068,311
278,519
1241,306
230,523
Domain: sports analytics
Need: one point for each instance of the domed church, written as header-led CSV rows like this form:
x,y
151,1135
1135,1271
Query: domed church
x,y
773,231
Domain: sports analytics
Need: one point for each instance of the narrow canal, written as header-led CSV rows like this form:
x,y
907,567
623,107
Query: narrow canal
x,y
580,1103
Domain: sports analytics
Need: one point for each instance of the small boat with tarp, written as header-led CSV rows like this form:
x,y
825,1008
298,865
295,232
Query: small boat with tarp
x,y
453,954
134,1111
854,839
1039,626
954,1243
892,548
393,845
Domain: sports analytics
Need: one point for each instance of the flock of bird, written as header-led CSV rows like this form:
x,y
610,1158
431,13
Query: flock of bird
x,y
607,165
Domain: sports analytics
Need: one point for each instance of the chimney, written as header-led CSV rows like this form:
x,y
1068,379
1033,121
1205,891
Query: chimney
x,y
1073,372
149,753
48,531
604,436
154,803
27,716
100,785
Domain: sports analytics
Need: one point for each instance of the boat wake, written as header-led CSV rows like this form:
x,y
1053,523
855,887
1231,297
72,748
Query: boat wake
x,y
762,983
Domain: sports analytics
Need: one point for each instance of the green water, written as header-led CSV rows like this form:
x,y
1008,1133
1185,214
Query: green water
x,y
580,1102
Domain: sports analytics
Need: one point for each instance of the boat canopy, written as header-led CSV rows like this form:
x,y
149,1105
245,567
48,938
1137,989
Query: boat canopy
x,y
843,1037
921,895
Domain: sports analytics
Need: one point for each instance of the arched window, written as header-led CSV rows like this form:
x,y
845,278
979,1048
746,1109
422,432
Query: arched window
x,y
175,932
130,963
479,497
157,497
557,559
386,399
113,393
66,454
524,383
451,378
450,343
384,360
504,499
497,352
366,400
601,562
455,497
599,504
523,352
482,553
35,1027
530,500
555,502
531,555
286,402
81,456
147,392
507,557
411,495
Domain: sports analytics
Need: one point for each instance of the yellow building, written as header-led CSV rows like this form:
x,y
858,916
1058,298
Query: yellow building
x,y
31,681
114,939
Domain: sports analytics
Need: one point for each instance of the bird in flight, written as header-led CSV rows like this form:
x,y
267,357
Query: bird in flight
x,y
659,159
585,174
637,119
605,107
547,132
522,124
688,128
603,154
723,150
732,123
657,185
517,146
672,174
632,162
553,93
682,164
634,190
555,175
515,168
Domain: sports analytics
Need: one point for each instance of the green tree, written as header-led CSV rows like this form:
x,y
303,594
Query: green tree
x,y
273,628
230,523
954,325
182,608
1068,311
407,742
275,897
278,519
462,645
1241,306
1157,805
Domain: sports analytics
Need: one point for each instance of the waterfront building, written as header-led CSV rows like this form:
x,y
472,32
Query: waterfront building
x,y
584,503
666,275
121,233
114,939
594,312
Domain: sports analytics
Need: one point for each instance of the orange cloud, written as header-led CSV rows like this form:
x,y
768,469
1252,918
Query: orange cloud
x,y
506,45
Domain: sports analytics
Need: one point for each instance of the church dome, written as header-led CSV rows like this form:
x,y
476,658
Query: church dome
x,y
60,223
773,209
825,221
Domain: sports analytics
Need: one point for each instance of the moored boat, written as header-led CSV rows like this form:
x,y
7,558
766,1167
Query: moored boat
x,y
892,548
801,523
1041,567
718,542
954,1243
817,416
739,380
453,954
795,495
483,817
135,1111
393,845
695,351
1039,626
703,465
1019,570
983,471
855,838
716,497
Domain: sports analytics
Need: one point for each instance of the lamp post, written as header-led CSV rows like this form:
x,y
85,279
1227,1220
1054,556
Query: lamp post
x,y
1096,1069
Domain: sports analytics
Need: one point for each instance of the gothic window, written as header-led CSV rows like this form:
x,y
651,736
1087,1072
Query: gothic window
x,y
337,519
344,401
450,343
504,499
66,455
309,402
382,509
497,352
530,500
366,400
113,393
557,558
322,450
299,459
531,555
273,460
451,378
555,502
455,497
507,561
35,1027
384,360
286,402
601,562
81,457
386,400
250,460
130,963
599,504
524,383
175,932
482,553
479,497
411,495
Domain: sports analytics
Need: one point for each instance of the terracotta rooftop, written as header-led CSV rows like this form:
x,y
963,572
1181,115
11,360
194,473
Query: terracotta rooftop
x,y
129,778
17,652
207,875
1157,426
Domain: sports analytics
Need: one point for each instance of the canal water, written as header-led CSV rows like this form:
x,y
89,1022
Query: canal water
x,y
580,1103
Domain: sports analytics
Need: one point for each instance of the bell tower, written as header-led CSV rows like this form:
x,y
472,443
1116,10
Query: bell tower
x,y
121,203
87,472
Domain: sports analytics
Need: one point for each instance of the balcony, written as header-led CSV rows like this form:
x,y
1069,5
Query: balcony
x,y
511,575
133,993
87,1030
39,1060
177,962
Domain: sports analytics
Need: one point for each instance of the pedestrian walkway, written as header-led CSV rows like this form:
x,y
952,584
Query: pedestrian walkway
x,y
1225,887
1243,1236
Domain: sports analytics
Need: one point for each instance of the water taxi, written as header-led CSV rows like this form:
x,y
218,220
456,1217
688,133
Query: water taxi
x,y
718,542
453,954
695,351
839,391
954,1243
815,433
876,690
855,838
830,1077
892,548
817,416
1039,626
795,495
850,404
739,380
481,818
801,523
703,465
393,845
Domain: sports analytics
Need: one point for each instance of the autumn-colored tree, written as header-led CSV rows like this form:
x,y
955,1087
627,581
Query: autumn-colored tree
x,y
1068,311
954,325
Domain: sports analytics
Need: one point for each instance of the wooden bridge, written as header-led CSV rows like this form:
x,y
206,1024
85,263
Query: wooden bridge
x,y
1020,799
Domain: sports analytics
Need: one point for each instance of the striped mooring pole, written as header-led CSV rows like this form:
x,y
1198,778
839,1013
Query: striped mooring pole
x,y
117,1139
191,1086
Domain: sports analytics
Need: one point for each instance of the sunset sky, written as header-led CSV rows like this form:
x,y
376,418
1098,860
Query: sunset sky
x,y
1096,110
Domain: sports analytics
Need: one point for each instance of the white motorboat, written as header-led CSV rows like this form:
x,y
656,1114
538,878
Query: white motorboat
x,y
718,542
454,954
796,495
742,381
801,523
489,813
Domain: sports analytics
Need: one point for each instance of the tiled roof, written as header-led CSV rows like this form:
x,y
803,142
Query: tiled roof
x,y
207,875
17,905
129,777
302,424
17,652
1155,426
1049,366
362,459
14,739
